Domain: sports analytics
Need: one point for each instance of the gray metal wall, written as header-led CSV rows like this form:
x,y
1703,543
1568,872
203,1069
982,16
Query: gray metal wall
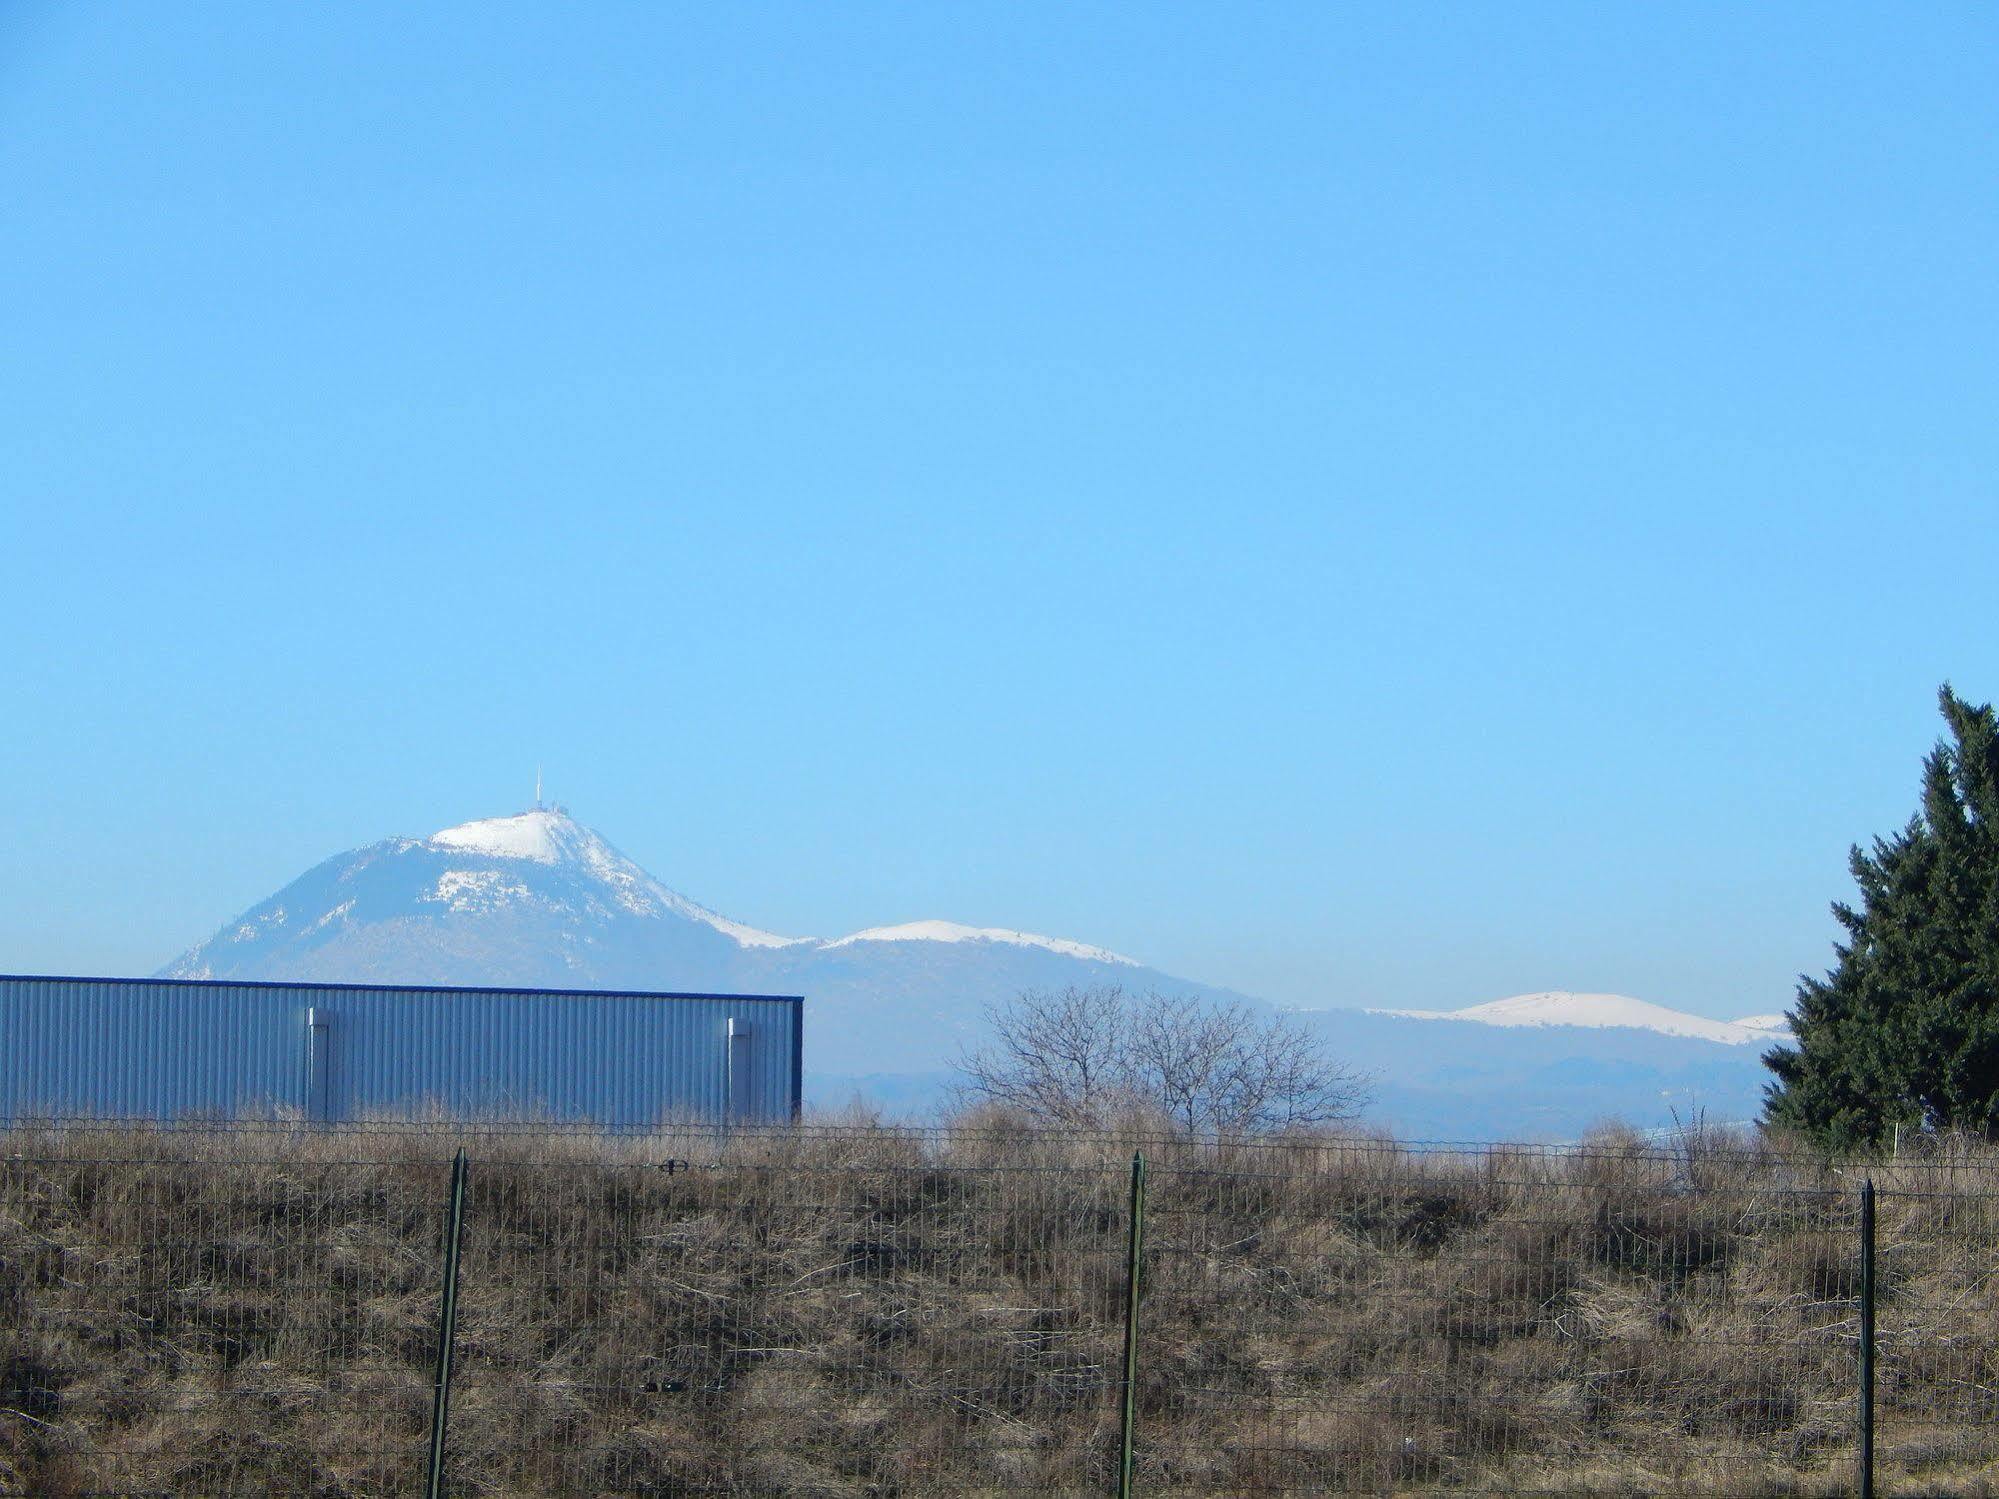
x,y
169,1049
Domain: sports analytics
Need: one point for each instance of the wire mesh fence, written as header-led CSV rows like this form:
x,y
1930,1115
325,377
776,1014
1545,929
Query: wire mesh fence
x,y
869,1311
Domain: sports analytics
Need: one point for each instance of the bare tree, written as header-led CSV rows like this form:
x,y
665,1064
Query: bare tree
x,y
1221,1068
1054,1056
1083,1055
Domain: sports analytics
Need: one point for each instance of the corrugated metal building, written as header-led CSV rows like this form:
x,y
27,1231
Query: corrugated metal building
x,y
165,1049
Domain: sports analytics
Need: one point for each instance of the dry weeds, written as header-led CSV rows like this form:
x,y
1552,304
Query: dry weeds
x,y
871,1311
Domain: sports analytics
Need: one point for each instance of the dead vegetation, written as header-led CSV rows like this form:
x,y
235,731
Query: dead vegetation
x,y
870,1311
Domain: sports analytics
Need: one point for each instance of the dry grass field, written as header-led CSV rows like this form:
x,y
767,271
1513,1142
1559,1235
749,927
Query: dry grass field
x,y
869,1311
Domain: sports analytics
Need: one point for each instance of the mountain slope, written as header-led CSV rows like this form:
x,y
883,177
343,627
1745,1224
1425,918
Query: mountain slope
x,y
1448,1079
540,900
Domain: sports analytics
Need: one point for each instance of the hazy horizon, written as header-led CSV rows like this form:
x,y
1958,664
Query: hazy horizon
x,y
551,812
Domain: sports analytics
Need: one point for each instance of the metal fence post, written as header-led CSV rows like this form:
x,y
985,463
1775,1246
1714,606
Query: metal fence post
x,y
447,1329
1867,1339
1134,1256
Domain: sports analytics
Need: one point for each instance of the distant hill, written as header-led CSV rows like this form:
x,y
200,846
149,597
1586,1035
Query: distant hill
x,y
1472,1079
539,899
1609,1011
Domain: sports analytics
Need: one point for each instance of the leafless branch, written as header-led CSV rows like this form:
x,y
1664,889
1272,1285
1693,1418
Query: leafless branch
x,y
1082,1055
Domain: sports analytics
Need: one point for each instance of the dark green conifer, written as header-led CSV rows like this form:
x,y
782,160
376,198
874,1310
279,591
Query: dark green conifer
x,y
1905,1028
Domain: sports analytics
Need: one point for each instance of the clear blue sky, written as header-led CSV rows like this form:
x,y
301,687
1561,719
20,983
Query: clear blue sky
x,y
1365,504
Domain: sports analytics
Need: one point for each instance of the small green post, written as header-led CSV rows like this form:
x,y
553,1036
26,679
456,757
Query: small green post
x,y
1133,1277
1867,1339
447,1330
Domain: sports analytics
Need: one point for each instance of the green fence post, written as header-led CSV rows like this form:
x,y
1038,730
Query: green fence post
x,y
447,1330
1134,1256
1867,1339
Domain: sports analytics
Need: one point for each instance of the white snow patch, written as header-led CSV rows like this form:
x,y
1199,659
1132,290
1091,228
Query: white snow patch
x,y
951,931
250,931
545,837
1560,1007
332,916
475,890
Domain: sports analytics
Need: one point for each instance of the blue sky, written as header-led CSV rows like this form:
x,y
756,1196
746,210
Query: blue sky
x,y
1369,505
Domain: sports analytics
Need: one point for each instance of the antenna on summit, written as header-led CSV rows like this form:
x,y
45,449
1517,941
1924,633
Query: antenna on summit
x,y
537,788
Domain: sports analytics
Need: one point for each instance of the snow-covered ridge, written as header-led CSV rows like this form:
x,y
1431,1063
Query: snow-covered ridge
x,y
548,835
951,931
1560,1007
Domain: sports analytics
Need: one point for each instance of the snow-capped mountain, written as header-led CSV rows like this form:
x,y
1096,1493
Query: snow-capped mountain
x,y
550,836
539,900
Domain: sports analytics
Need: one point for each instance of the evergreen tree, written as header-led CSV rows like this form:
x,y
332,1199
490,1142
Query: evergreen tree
x,y
1905,1028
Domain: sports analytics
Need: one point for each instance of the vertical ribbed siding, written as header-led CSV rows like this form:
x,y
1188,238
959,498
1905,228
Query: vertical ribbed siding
x,y
170,1049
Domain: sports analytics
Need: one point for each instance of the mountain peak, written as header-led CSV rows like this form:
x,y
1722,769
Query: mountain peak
x,y
547,835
